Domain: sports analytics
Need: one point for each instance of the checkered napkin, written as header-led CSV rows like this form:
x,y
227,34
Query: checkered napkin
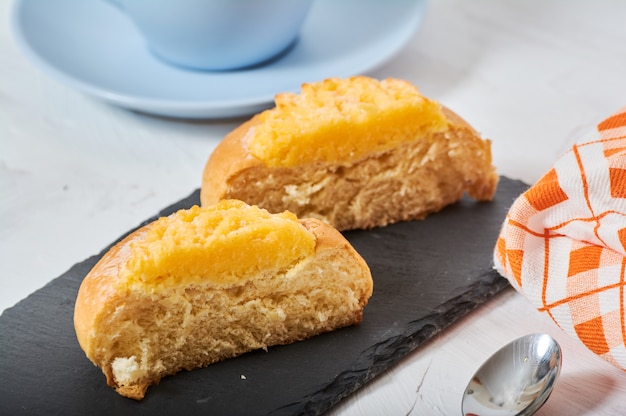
x,y
563,243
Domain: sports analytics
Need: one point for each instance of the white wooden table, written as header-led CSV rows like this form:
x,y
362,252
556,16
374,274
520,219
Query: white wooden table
x,y
534,76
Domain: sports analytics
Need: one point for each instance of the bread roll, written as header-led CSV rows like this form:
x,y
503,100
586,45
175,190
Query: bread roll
x,y
356,153
210,283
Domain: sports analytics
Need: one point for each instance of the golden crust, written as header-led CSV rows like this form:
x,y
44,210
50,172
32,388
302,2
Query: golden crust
x,y
99,288
230,156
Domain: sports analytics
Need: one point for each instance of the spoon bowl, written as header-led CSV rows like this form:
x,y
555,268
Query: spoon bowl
x,y
516,380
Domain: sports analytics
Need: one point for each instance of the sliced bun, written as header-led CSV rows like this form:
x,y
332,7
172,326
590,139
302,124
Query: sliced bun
x,y
356,153
211,283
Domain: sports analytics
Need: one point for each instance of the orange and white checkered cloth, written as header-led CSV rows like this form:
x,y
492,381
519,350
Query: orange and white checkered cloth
x,y
563,243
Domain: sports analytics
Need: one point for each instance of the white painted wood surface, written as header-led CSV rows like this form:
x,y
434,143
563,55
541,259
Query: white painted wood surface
x,y
534,76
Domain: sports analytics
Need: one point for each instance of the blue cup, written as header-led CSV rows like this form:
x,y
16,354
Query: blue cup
x,y
217,35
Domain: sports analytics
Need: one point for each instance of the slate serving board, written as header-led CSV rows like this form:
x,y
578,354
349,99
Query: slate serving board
x,y
427,274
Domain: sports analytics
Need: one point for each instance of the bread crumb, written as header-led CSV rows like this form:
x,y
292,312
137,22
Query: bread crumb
x,y
126,370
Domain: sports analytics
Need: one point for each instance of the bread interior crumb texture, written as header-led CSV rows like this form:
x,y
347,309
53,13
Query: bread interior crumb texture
x,y
146,336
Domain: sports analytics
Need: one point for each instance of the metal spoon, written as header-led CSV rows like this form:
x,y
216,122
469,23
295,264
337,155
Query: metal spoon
x,y
516,380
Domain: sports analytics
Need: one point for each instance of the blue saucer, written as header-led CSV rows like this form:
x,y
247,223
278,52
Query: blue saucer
x,y
92,46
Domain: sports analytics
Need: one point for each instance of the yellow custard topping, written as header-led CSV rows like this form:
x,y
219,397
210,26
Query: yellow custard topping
x,y
225,243
342,120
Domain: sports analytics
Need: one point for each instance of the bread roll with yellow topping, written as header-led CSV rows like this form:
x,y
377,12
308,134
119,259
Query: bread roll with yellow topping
x,y
207,284
356,153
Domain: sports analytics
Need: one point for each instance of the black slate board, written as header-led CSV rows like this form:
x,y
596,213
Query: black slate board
x,y
427,274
